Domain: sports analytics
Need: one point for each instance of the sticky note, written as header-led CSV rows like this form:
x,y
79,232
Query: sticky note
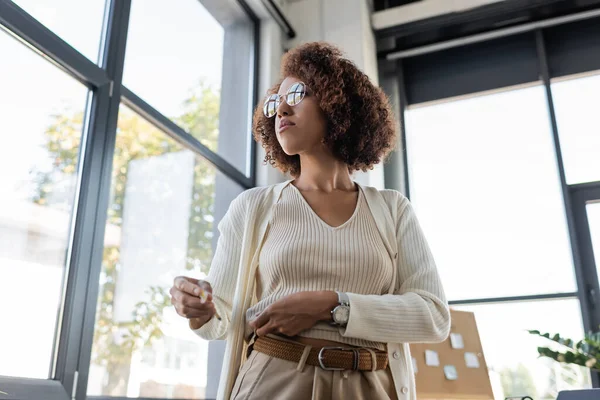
x,y
414,362
471,360
431,358
456,340
450,372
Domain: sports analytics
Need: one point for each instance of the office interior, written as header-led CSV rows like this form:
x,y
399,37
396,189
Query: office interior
x,y
127,134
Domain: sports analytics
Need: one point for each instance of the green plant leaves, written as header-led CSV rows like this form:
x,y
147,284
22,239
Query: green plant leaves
x,y
585,353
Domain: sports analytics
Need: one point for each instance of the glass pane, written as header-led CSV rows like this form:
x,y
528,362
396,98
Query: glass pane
x,y
576,103
41,120
515,368
77,22
177,62
593,215
485,185
162,220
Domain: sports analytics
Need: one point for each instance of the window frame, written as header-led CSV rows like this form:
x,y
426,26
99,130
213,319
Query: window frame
x,y
580,195
71,364
395,83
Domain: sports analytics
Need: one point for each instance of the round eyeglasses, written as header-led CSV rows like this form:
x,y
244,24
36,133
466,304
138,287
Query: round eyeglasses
x,y
294,95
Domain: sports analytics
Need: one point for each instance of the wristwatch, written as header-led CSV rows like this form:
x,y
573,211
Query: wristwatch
x,y
341,313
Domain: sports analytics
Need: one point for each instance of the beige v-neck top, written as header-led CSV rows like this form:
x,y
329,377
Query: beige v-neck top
x,y
303,253
414,310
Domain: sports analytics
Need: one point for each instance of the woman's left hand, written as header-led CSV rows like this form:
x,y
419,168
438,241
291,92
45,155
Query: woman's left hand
x,y
295,313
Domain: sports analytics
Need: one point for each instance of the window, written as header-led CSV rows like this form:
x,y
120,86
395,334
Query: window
x,y
77,22
161,223
511,352
485,185
42,120
485,175
72,240
177,57
576,102
593,215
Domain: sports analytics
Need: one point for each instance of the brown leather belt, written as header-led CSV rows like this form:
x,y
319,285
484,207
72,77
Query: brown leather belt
x,y
328,358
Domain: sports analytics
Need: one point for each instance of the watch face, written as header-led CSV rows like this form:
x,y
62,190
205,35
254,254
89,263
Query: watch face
x,y
341,314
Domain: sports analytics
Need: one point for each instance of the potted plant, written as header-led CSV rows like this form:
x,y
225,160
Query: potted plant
x,y
586,352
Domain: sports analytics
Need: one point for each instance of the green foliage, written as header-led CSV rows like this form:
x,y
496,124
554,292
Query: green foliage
x,y
200,115
517,382
585,352
201,119
114,341
63,138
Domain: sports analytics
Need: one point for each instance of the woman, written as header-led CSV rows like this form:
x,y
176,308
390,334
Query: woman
x,y
319,283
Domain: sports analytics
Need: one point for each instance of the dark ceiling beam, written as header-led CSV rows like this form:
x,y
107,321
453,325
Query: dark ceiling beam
x,y
476,21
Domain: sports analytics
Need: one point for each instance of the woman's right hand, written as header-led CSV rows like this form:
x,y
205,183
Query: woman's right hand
x,y
185,296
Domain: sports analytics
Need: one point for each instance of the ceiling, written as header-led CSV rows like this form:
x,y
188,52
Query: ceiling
x,y
499,14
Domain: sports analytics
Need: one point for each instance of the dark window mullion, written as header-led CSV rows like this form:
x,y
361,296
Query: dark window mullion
x,y
102,137
579,200
589,290
63,371
586,307
512,299
402,116
589,310
255,95
184,138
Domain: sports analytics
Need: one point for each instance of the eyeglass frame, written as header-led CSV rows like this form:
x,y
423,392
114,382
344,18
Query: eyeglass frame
x,y
284,96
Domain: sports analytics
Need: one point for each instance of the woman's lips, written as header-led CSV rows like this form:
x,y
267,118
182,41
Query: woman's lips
x,y
284,127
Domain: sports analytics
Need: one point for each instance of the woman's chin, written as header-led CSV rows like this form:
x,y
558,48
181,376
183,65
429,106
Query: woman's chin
x,y
290,152
291,149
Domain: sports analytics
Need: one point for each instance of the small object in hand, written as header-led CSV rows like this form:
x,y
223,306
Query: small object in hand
x,y
203,297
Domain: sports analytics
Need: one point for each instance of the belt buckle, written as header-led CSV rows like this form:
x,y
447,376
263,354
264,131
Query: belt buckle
x,y
322,365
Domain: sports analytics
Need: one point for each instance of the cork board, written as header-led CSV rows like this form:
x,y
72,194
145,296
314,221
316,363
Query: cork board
x,y
471,383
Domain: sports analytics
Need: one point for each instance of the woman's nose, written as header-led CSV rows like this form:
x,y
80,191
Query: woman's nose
x,y
284,109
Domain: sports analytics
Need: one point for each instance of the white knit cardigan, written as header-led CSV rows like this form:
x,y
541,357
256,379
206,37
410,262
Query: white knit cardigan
x,y
414,311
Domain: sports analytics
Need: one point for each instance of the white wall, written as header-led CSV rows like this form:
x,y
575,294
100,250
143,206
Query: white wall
x,y
345,23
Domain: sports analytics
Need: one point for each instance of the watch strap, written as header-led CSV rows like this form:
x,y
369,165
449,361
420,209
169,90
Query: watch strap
x,y
343,299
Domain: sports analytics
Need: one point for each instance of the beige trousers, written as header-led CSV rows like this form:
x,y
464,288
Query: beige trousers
x,y
263,377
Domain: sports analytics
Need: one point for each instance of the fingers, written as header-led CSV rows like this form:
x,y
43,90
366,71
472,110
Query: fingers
x,y
187,285
184,279
266,329
187,312
261,320
275,327
179,297
192,286
192,305
205,286
205,291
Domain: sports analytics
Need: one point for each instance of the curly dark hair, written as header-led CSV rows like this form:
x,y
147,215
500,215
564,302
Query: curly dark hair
x,y
360,124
